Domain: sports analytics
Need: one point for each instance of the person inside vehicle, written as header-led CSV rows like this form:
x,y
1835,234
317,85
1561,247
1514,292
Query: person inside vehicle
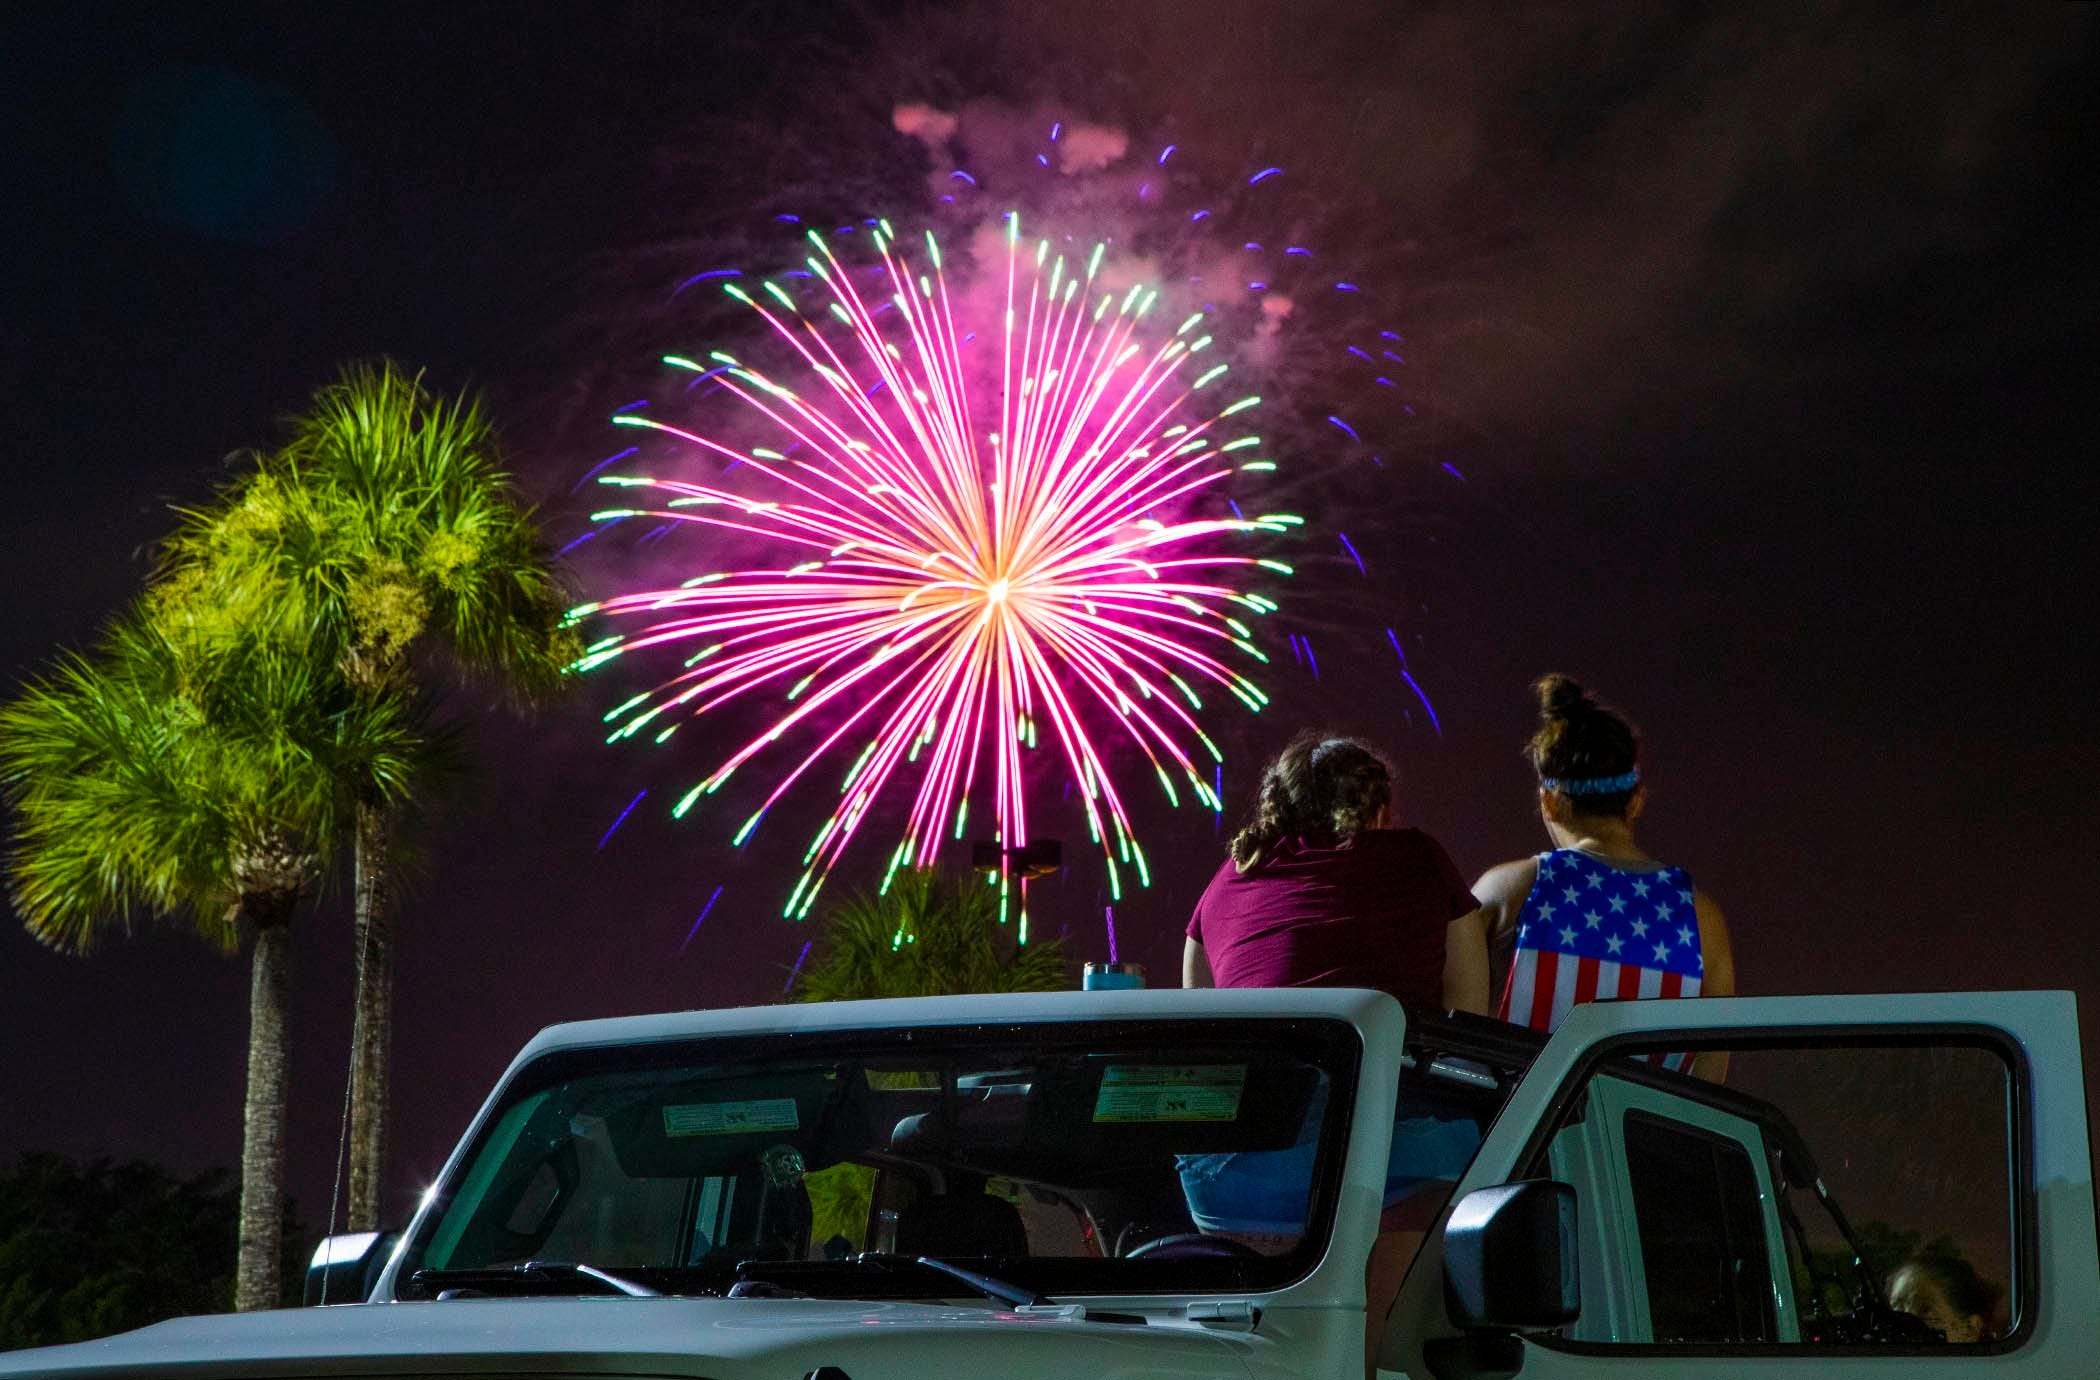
x,y
1321,890
1595,918
1946,1294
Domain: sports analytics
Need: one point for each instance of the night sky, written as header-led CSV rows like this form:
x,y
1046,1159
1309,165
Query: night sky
x,y
1762,343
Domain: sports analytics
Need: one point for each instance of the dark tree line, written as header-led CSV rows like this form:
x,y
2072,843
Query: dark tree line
x,y
88,1248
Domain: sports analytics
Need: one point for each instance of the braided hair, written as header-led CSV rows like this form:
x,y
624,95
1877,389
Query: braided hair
x,y
1580,739
1323,790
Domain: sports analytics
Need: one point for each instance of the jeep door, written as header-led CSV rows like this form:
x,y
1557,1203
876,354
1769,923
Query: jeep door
x,y
1924,1129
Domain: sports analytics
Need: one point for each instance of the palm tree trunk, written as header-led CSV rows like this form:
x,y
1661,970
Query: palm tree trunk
x,y
258,1279
371,1035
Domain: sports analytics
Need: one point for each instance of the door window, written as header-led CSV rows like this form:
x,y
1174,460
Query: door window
x,y
1858,1193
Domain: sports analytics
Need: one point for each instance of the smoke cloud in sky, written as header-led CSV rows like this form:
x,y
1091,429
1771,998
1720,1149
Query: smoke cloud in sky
x,y
1570,205
933,128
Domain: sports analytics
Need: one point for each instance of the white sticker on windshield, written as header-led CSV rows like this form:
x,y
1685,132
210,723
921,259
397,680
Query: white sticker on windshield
x,y
732,1118
1170,1092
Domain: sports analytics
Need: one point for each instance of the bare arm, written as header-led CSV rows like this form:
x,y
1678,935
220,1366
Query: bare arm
x,y
1716,978
1502,891
1466,963
1195,965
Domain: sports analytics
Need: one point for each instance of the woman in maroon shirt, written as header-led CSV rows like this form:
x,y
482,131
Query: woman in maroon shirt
x,y
1321,891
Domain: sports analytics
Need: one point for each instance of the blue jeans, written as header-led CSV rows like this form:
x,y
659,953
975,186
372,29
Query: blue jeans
x,y
1270,1191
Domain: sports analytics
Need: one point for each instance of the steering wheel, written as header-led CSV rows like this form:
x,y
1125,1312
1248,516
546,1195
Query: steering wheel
x,y
1193,1245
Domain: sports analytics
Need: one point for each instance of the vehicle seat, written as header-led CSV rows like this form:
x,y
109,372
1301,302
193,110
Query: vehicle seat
x,y
962,1224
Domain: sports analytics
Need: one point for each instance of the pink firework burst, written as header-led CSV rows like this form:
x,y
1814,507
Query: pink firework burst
x,y
962,580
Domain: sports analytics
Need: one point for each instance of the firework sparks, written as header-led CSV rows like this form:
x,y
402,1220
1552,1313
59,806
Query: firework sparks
x,y
615,827
953,596
700,919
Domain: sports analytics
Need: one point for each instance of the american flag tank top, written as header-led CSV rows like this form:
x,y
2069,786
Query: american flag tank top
x,y
1593,932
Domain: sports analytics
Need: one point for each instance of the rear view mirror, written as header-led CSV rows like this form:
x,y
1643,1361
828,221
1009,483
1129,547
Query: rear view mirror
x,y
346,1266
1509,1257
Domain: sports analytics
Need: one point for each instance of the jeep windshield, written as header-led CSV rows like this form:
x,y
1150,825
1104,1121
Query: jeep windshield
x,y
1060,1156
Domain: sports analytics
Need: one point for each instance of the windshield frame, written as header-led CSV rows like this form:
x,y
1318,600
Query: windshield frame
x,y
1329,1042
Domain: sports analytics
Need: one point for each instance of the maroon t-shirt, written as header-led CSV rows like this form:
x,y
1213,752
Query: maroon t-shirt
x,y
1369,914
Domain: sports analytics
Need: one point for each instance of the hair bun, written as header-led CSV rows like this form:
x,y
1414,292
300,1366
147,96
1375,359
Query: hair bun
x,y
1580,738
1562,697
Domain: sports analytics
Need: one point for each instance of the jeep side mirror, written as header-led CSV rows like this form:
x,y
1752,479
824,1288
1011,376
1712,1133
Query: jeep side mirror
x,y
346,1266
1509,1257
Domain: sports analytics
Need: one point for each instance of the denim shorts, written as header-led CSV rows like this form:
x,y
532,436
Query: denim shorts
x,y
1270,1191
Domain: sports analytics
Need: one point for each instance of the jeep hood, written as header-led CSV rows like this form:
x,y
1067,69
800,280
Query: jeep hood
x,y
722,1339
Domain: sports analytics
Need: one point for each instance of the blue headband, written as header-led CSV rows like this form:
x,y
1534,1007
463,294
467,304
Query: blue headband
x,y
1592,785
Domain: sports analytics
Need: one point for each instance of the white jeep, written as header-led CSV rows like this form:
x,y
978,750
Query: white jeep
x,y
1190,1183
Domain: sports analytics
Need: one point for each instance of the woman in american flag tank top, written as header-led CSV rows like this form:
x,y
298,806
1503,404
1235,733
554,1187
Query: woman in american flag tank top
x,y
1595,918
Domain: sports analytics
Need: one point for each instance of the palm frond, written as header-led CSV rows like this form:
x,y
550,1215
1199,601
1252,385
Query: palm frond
x,y
114,814
930,934
147,776
385,525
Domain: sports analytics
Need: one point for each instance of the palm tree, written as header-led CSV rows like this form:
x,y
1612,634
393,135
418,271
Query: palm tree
x,y
180,779
929,934
386,540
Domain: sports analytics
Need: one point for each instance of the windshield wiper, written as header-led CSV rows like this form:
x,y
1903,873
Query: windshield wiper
x,y
1015,1296
809,1271
525,1279
992,1287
